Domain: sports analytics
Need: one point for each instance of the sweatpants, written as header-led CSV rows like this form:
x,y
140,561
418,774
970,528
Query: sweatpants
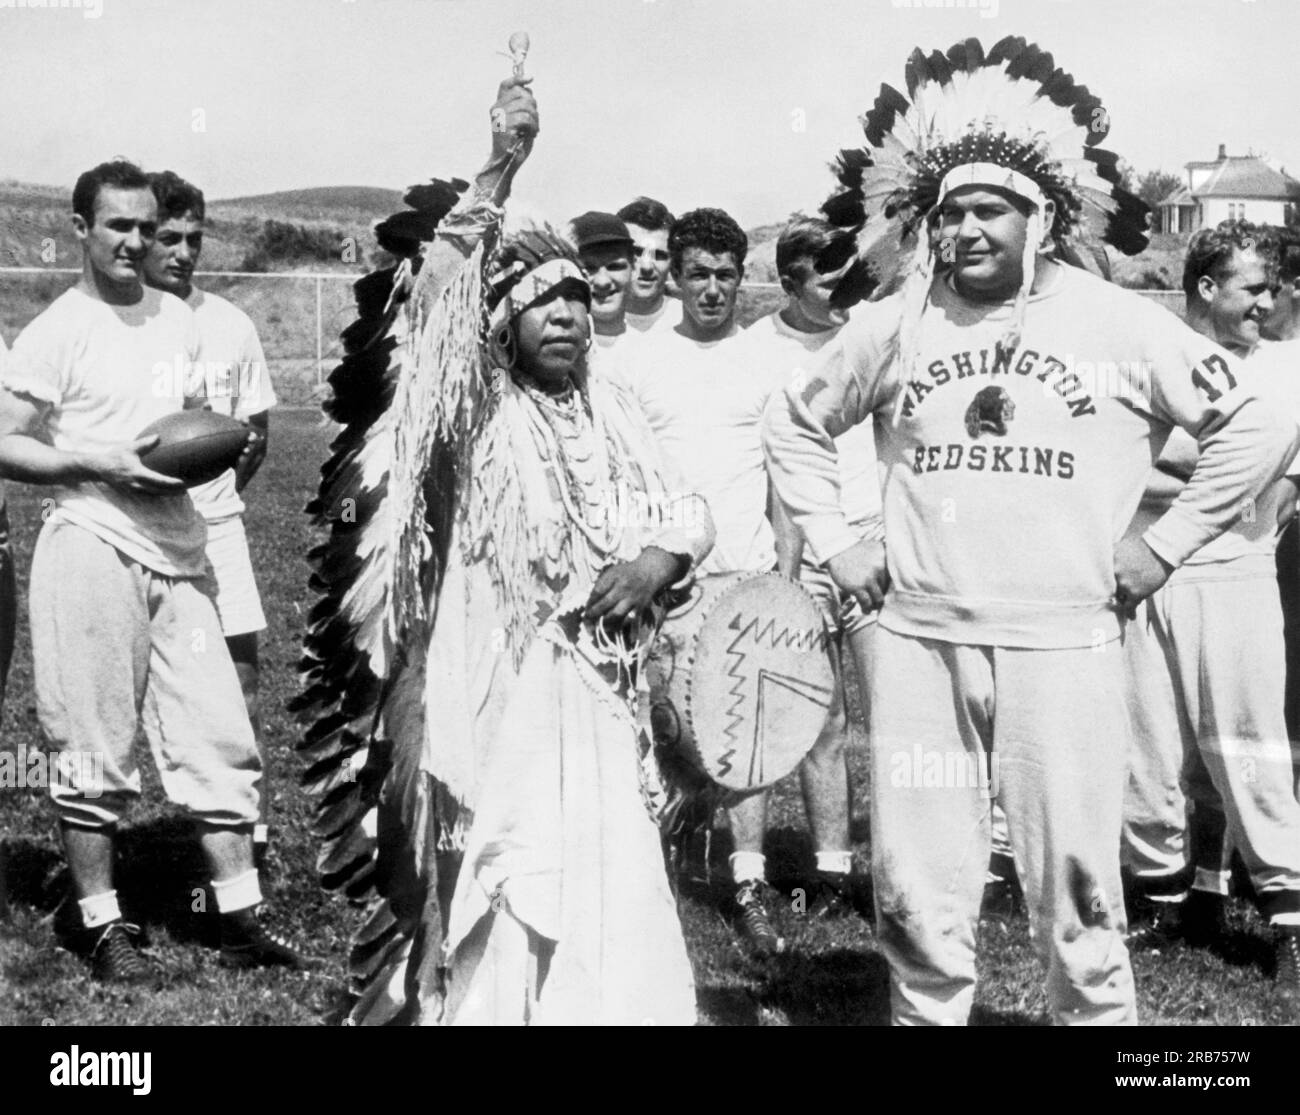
x,y
1207,674
116,647
1044,732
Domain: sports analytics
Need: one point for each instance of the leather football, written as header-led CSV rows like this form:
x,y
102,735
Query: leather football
x,y
194,446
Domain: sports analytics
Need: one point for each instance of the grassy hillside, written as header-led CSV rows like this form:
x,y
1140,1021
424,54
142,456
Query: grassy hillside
x,y
339,204
35,219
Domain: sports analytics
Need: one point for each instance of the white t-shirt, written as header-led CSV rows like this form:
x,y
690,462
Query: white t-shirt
x,y
773,346
660,318
107,372
237,383
609,355
705,405
1273,368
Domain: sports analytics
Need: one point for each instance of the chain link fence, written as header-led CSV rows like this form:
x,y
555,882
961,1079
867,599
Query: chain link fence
x,y
298,316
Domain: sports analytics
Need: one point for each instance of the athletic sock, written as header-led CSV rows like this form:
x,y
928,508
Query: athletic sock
x,y
748,867
240,893
261,834
99,909
835,862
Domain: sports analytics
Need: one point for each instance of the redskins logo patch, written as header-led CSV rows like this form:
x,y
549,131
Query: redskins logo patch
x,y
990,412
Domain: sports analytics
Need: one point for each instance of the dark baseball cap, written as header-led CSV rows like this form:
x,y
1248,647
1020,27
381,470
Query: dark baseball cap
x,y
592,229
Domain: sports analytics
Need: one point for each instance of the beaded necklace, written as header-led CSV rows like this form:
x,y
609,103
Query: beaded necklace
x,y
587,468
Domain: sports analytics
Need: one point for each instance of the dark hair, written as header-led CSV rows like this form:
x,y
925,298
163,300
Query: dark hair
x,y
646,213
1287,241
176,197
117,173
1210,251
804,238
709,229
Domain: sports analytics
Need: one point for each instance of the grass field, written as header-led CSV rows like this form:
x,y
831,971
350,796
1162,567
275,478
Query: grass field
x,y
833,974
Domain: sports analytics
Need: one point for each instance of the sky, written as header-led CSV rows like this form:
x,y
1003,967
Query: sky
x,y
739,104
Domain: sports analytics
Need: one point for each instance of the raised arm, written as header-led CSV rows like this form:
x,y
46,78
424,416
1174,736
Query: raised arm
x,y
514,128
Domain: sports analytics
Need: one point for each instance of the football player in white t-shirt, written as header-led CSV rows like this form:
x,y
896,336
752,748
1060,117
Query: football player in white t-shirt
x,y
124,630
1206,661
605,248
237,383
648,304
784,346
705,404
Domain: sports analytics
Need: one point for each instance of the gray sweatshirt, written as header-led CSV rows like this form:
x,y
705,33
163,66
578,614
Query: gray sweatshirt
x,y
1011,475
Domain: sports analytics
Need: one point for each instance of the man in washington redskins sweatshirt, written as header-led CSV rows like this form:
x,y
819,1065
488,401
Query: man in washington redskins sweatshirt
x,y
1010,477
1018,406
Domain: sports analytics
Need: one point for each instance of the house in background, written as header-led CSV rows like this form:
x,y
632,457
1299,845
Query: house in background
x,y
1232,187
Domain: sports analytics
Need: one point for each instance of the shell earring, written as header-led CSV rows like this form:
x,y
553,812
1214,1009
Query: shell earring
x,y
503,346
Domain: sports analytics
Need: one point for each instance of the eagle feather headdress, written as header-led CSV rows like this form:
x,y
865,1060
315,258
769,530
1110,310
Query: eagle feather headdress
x,y
361,783
1009,119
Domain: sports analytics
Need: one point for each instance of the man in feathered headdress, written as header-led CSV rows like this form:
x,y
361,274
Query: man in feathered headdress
x,y
501,526
1018,404
238,384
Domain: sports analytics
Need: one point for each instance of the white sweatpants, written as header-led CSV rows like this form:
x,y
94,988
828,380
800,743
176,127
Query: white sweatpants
x,y
117,647
1051,726
1207,671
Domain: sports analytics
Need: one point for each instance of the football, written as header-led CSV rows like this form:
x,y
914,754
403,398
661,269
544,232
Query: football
x,y
194,445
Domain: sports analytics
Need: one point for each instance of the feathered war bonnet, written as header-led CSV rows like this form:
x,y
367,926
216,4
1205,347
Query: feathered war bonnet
x,y
1009,120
